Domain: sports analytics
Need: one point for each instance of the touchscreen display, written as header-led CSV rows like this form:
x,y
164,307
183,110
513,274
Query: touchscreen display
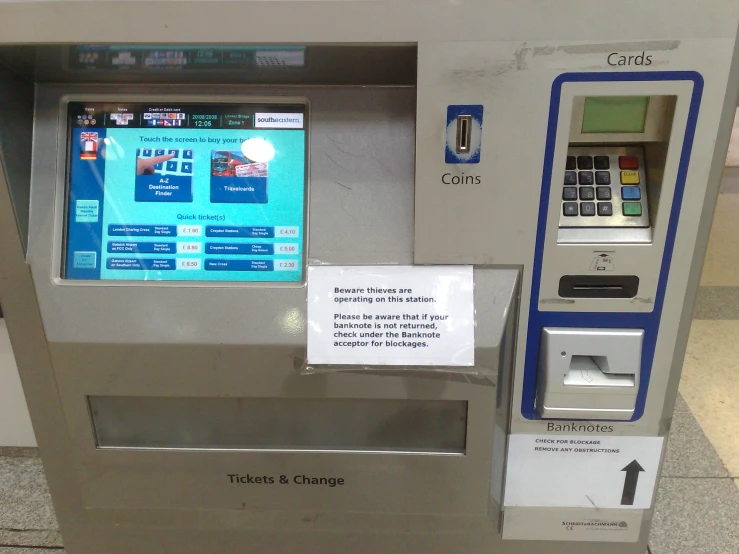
x,y
185,192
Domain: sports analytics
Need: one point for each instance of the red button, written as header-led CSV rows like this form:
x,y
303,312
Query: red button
x,y
628,162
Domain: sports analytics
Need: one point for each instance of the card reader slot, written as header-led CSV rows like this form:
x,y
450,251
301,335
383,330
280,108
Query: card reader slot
x,y
598,286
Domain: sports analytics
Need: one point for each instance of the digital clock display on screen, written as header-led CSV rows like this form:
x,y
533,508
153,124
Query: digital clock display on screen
x,y
185,192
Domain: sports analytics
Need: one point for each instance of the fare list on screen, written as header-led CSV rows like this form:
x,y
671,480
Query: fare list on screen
x,y
185,192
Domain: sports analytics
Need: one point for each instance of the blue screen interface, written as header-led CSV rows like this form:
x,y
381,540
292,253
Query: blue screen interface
x,y
186,192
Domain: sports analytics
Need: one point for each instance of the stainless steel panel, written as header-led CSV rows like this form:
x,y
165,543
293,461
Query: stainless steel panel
x,y
355,64
127,479
16,133
328,424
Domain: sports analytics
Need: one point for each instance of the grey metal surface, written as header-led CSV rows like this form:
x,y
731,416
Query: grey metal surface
x,y
281,424
126,479
16,132
344,65
55,21
19,302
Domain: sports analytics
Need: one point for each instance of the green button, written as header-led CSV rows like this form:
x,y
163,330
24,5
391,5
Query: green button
x,y
632,208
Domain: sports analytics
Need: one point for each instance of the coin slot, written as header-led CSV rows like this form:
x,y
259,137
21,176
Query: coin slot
x,y
464,134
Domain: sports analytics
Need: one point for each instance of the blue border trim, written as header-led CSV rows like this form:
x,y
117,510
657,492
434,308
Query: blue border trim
x,y
647,321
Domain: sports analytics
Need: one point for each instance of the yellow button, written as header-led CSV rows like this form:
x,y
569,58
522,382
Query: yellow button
x,y
629,177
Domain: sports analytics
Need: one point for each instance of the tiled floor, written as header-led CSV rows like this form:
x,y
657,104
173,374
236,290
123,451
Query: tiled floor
x,y
710,381
11,550
697,509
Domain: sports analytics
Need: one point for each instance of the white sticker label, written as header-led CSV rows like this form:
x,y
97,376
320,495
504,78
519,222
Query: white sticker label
x,y
287,248
582,471
278,120
189,264
391,316
189,230
189,247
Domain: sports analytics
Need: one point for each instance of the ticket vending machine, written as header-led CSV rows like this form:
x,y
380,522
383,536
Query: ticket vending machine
x,y
419,279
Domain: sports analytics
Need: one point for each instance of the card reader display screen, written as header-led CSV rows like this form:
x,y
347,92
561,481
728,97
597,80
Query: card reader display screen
x,y
615,114
185,192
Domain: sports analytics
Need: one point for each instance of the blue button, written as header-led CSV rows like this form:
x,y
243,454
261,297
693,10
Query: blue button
x,y
85,260
138,264
87,211
175,153
248,232
159,152
142,230
631,193
171,166
147,152
158,167
238,265
115,247
186,167
245,249
138,152
187,154
158,188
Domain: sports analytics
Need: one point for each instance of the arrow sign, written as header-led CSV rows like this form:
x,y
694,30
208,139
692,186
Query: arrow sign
x,y
632,477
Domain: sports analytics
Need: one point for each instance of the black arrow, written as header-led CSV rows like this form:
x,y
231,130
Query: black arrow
x,y
632,477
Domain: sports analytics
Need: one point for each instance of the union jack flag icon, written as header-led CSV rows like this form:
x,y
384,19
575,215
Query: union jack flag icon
x,y
88,146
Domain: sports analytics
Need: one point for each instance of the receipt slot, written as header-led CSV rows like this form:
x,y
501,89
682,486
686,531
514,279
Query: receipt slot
x,y
418,280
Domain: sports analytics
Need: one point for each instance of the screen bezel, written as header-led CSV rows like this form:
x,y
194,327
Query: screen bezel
x,y
61,209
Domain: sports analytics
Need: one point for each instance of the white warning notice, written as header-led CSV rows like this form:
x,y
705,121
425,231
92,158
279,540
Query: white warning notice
x,y
401,315
582,471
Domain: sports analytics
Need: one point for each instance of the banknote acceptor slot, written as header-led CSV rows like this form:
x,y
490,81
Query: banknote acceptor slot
x,y
589,373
